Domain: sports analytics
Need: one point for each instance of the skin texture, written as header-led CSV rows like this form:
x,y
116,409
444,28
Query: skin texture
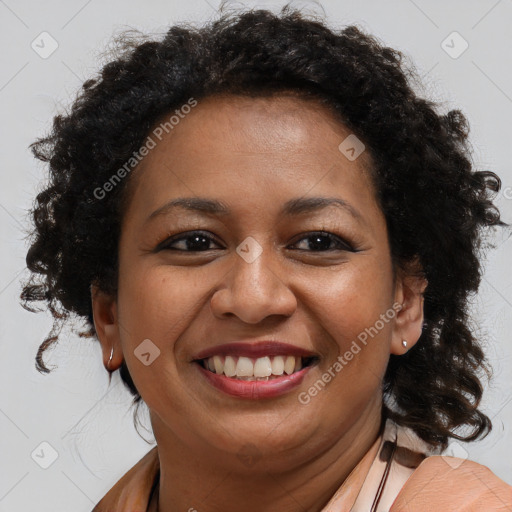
x,y
255,154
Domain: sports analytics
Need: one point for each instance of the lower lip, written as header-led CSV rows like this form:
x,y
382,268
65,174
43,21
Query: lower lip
x,y
255,390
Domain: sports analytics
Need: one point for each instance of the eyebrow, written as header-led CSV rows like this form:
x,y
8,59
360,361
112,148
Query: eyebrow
x,y
291,208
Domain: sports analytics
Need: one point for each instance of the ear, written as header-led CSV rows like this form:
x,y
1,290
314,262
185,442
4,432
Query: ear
x,y
104,310
409,289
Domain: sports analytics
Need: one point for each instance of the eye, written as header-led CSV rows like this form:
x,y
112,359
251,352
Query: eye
x,y
321,241
194,241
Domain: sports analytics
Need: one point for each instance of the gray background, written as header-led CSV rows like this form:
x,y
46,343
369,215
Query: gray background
x,y
88,424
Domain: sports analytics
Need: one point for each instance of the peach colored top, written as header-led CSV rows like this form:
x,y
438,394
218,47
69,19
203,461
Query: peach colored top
x,y
397,474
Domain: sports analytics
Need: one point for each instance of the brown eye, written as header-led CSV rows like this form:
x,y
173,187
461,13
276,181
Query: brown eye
x,y
194,241
322,242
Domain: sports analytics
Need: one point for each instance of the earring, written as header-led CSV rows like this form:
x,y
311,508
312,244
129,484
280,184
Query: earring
x,y
404,343
110,359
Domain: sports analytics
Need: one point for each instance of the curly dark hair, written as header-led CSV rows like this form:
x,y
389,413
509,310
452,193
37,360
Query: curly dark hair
x,y
436,206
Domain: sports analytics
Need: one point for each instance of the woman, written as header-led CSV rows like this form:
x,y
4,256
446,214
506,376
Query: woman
x,y
274,238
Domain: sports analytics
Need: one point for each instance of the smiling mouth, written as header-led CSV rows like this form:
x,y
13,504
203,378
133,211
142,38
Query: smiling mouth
x,y
256,369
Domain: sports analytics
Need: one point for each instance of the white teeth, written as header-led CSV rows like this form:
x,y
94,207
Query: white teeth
x,y
262,367
246,368
289,365
278,365
229,367
219,365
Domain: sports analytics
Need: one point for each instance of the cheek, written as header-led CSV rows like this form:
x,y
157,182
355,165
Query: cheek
x,y
155,303
352,299
350,310
157,306
357,355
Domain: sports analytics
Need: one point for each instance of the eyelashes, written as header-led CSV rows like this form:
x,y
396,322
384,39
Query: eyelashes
x,y
198,237
340,243
200,241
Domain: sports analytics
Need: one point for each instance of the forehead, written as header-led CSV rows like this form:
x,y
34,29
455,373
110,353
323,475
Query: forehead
x,y
261,150
278,123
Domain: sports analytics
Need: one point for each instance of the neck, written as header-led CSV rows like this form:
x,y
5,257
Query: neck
x,y
196,481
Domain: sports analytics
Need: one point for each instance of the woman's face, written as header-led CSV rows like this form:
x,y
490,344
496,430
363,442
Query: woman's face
x,y
258,271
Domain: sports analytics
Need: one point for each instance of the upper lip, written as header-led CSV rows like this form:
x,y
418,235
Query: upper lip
x,y
254,349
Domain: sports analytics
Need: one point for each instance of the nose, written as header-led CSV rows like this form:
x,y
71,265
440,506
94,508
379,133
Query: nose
x,y
253,290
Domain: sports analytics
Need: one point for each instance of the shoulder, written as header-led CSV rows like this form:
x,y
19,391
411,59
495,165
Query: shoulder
x,y
443,483
132,491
